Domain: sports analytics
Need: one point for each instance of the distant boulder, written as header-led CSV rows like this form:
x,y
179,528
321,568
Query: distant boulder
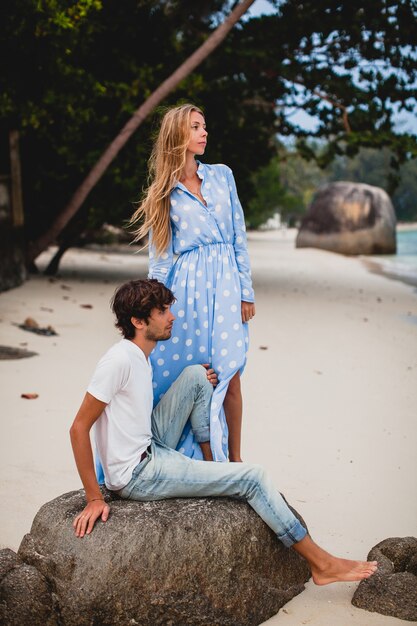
x,y
349,218
182,562
392,590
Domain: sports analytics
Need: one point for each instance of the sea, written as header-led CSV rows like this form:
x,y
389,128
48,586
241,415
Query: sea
x,y
403,265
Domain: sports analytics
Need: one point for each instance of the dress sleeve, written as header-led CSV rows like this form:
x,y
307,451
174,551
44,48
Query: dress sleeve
x,y
240,242
160,265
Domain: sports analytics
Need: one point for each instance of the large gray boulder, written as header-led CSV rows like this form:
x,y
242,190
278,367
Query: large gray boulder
x,y
392,590
25,596
349,218
180,562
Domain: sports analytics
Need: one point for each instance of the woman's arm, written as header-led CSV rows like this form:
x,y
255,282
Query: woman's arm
x,y
160,265
240,243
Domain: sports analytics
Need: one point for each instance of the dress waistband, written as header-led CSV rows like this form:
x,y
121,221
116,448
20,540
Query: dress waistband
x,y
208,245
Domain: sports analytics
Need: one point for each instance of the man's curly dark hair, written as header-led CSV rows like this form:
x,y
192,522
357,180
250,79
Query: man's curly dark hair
x,y
137,298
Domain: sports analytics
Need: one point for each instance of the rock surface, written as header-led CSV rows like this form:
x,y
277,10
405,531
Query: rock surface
x,y
180,562
25,596
393,589
349,218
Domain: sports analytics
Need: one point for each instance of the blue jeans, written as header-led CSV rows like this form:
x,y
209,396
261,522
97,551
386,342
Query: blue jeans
x,y
166,473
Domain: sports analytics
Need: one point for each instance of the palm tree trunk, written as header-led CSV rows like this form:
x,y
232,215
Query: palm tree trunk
x,y
137,118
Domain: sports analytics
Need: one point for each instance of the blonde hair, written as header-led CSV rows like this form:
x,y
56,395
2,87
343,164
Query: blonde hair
x,y
166,164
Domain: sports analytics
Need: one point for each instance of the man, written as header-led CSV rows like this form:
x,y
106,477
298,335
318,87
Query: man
x,y
137,445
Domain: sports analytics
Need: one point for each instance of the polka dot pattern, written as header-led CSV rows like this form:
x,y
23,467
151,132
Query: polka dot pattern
x,y
210,277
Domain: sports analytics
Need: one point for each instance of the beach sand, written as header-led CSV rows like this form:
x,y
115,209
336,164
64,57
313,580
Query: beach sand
x,y
330,397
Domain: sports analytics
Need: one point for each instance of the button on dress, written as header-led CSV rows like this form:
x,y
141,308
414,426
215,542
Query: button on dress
x,y
207,267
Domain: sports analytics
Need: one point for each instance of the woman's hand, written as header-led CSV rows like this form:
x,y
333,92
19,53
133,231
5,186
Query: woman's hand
x,y
84,522
248,311
211,375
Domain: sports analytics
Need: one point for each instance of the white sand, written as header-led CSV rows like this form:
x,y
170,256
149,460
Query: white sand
x,y
330,405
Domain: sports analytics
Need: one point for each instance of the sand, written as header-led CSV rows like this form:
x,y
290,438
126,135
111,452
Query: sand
x,y
330,397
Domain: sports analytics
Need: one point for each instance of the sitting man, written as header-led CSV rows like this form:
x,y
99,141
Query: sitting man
x,y
137,445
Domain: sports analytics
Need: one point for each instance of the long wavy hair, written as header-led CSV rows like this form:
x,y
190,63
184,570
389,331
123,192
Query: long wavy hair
x,y
166,165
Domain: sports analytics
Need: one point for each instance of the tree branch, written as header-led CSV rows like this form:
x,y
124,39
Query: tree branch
x,y
330,100
211,43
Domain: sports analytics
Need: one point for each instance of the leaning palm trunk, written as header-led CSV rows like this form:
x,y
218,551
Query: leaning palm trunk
x,y
140,114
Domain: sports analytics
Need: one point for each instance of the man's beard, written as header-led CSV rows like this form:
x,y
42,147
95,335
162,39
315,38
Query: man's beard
x,y
152,336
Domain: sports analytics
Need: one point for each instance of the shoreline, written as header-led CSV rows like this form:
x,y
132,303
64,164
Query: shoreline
x,y
329,397
404,226
374,267
401,267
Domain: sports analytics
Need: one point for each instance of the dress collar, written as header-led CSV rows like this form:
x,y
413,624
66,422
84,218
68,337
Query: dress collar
x,y
200,170
200,174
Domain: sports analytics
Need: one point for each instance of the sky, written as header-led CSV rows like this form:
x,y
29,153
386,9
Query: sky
x,y
404,122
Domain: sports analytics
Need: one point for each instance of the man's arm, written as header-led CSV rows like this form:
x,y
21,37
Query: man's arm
x,y
89,411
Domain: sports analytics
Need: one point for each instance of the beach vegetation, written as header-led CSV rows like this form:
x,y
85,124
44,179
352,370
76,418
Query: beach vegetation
x,y
78,70
288,183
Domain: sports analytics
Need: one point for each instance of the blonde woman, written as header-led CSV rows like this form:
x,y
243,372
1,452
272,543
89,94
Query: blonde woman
x,y
192,212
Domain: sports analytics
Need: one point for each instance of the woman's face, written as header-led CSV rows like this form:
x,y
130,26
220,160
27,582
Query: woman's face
x,y
198,138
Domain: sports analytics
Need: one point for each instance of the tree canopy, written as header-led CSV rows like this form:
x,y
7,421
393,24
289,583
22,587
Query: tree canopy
x,y
288,183
77,71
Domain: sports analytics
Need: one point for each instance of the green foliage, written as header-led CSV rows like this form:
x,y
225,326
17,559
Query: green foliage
x,y
78,70
375,168
81,69
405,196
270,196
286,185
345,63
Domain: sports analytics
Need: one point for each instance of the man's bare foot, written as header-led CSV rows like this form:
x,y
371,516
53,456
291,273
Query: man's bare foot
x,y
326,568
342,570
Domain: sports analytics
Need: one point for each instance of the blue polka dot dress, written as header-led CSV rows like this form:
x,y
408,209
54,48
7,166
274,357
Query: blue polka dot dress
x,y
210,277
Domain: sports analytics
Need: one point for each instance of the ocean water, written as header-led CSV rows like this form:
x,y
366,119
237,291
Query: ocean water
x,y
402,265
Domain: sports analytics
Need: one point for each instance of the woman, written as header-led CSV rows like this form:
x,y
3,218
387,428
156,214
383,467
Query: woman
x,y
192,210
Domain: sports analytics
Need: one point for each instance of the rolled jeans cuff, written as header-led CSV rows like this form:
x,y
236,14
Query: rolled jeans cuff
x,y
202,434
296,533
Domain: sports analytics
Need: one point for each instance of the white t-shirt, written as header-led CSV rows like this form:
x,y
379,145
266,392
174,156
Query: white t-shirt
x,y
122,379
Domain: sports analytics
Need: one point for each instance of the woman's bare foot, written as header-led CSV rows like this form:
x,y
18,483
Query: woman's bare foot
x,y
343,570
326,568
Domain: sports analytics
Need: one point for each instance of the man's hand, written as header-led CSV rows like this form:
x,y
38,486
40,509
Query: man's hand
x,y
211,375
248,310
88,413
84,522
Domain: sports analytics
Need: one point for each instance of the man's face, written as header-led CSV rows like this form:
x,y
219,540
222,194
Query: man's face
x,y
159,327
